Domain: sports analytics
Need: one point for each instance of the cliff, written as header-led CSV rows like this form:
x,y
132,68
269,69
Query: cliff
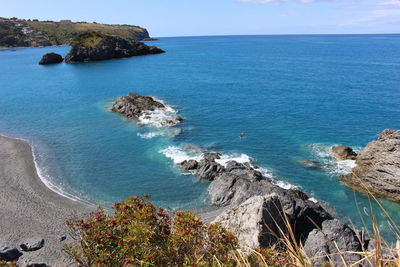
x,y
31,33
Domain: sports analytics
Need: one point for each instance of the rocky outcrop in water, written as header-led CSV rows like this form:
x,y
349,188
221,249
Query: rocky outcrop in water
x,y
51,58
145,109
93,46
343,153
378,167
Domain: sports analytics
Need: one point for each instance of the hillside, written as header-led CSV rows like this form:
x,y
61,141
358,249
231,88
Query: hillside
x,y
30,33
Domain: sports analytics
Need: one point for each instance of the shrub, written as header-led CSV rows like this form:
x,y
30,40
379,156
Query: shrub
x,y
140,234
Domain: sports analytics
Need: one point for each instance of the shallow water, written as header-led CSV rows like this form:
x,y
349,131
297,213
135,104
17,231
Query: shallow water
x,y
294,96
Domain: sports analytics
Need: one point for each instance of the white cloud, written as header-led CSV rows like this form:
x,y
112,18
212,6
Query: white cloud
x,y
392,3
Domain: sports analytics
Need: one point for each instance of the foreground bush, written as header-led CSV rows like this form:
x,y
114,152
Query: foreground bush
x,y
139,234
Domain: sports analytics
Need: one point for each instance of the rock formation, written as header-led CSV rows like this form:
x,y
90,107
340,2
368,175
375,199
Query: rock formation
x,y
333,237
51,58
343,153
138,107
92,46
378,167
259,212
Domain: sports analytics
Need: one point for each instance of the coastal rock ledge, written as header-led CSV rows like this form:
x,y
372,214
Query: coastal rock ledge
x,y
146,110
378,167
93,46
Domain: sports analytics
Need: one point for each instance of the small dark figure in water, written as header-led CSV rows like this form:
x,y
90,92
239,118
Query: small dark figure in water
x,y
242,135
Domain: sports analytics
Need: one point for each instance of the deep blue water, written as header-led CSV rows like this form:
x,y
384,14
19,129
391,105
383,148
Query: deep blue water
x,y
294,96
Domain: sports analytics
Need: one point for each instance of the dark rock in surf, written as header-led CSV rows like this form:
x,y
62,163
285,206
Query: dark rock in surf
x,y
343,153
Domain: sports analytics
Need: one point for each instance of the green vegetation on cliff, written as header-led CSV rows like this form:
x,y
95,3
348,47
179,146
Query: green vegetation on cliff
x,y
26,33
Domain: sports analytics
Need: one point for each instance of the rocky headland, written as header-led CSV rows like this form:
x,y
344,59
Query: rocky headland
x,y
377,169
93,46
51,58
146,110
16,32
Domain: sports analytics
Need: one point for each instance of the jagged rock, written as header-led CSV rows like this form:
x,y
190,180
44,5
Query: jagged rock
x,y
32,244
9,254
333,235
92,46
378,167
212,156
51,58
310,164
189,165
343,153
231,189
208,170
135,106
255,222
259,220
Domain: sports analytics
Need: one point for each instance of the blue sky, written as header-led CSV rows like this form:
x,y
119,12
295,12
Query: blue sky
x,y
221,17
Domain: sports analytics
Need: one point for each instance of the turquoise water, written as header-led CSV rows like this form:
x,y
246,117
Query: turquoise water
x,y
294,96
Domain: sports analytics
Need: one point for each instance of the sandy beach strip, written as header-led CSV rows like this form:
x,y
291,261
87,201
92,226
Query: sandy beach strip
x,y
29,209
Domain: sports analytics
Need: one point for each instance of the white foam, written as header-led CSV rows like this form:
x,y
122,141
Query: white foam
x,y
313,199
240,158
150,135
179,155
162,117
329,163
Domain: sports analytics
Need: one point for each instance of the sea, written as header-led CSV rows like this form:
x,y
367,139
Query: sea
x,y
291,96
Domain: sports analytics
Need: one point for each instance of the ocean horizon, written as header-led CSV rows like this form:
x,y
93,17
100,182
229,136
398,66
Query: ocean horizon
x,y
294,96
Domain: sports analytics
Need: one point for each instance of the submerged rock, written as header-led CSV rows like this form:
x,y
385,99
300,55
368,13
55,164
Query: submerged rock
x,y
310,164
343,153
333,237
146,109
51,58
378,167
9,254
92,46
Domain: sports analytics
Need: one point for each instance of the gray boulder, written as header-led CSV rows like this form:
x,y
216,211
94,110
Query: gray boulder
x,y
9,254
209,169
343,153
257,220
232,189
334,237
378,167
32,244
189,165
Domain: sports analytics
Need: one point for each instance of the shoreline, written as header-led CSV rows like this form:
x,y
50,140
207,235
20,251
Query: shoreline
x,y
30,208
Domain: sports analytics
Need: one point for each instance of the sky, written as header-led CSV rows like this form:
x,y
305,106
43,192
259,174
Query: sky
x,y
220,17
